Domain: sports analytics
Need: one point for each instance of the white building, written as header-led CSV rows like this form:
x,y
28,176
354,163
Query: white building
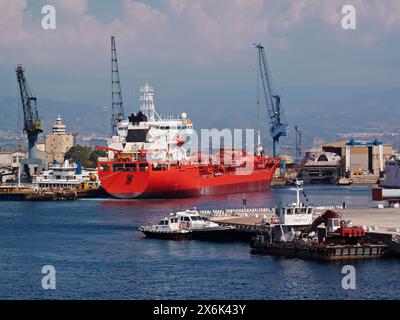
x,y
9,163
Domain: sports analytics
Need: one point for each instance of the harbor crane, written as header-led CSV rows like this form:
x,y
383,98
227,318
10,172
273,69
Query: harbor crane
x,y
116,95
32,123
277,122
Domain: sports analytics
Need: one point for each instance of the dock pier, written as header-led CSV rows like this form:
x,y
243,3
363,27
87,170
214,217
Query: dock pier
x,y
381,224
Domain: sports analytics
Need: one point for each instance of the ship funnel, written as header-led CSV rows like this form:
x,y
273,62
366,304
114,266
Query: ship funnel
x,y
78,169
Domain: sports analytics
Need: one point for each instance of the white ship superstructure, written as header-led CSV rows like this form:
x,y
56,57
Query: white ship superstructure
x,y
66,175
148,133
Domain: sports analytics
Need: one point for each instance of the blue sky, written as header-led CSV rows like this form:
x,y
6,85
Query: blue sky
x,y
191,49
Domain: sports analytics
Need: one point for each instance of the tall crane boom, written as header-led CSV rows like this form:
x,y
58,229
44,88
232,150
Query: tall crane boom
x,y
32,124
116,95
277,122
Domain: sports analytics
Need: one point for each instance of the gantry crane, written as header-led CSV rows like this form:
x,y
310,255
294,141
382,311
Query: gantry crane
x,y
116,95
32,124
277,122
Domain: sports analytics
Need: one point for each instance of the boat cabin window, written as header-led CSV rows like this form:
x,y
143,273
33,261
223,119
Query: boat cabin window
x,y
143,167
164,222
289,211
105,167
185,219
118,167
336,223
130,167
124,167
159,167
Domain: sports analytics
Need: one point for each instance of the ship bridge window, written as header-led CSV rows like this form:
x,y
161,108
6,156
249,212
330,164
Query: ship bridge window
x,y
143,167
105,167
124,167
118,167
336,223
159,167
130,167
289,211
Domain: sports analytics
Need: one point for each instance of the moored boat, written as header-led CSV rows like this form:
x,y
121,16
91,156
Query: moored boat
x,y
299,234
189,224
203,229
168,228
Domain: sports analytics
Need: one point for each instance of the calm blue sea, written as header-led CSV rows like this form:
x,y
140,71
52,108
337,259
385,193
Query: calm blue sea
x,y
98,253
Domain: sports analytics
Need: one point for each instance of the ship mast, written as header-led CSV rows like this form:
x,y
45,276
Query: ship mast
x,y
116,95
147,103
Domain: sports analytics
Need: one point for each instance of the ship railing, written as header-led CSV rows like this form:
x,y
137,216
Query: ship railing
x,y
16,185
328,207
258,212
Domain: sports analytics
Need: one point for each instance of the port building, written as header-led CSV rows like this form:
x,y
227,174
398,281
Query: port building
x,y
58,142
361,157
9,163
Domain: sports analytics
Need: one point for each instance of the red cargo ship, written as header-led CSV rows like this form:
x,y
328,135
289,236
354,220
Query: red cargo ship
x,y
132,179
148,158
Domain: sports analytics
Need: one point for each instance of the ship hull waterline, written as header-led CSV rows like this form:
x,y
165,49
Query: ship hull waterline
x,y
182,183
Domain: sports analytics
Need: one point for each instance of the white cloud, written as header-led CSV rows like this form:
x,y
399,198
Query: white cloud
x,y
70,8
180,29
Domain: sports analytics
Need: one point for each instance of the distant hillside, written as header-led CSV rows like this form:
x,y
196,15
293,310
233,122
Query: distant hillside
x,y
78,117
321,113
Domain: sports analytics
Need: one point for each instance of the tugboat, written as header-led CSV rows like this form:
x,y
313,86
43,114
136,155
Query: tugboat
x,y
189,224
298,234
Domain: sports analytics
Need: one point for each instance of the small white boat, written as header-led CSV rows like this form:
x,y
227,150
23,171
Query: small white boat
x,y
189,224
167,228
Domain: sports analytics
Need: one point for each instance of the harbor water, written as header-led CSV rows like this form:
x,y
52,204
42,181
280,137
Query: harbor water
x,y
98,253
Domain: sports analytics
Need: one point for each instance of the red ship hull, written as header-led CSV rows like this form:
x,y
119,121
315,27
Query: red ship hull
x,y
127,180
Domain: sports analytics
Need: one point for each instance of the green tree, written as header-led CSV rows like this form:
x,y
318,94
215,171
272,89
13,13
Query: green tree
x,y
86,155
